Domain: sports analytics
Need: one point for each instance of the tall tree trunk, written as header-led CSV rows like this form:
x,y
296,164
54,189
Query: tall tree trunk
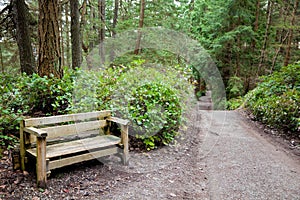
x,y
101,11
114,24
62,34
256,23
266,37
1,58
115,19
49,58
82,25
141,24
291,31
20,16
68,57
283,39
75,34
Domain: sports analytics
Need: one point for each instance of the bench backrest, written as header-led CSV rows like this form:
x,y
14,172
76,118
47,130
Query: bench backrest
x,y
66,125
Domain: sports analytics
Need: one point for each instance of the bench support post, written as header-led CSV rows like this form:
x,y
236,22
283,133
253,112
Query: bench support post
x,y
41,163
22,146
124,141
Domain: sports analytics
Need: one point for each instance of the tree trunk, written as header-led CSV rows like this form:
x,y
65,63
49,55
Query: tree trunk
x,y
141,24
101,12
68,57
278,50
49,57
1,58
291,31
62,34
115,19
114,24
83,24
75,34
266,38
20,16
256,23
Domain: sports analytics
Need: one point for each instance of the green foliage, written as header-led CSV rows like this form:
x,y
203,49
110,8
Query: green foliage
x,y
7,141
49,95
276,100
235,87
11,106
154,98
23,95
234,103
155,109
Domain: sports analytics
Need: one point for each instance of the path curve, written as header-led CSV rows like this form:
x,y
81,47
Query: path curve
x,y
244,165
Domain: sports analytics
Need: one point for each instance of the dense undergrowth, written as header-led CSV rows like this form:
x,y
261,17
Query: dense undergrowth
x,y
275,101
153,98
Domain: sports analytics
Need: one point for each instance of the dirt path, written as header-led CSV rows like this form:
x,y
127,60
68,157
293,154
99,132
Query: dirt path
x,y
244,165
218,156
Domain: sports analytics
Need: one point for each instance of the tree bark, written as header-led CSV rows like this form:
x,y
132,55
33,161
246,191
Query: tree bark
x,y
62,34
256,23
115,19
75,34
1,58
68,57
141,24
291,35
49,56
101,12
83,12
114,24
20,17
266,37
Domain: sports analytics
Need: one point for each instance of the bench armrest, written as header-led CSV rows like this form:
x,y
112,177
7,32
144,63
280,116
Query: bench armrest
x,y
35,131
118,120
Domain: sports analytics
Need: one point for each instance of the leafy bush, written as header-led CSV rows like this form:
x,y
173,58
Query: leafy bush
x,y
32,95
154,98
156,111
276,100
235,87
235,103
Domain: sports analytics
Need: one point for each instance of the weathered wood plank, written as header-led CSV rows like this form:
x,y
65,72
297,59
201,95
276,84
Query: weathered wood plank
x,y
35,131
65,118
22,146
86,144
124,141
41,164
73,129
118,120
84,157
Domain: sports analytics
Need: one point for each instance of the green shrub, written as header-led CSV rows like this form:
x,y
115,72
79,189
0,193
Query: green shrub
x,y
156,111
235,103
276,100
11,104
24,95
140,94
235,87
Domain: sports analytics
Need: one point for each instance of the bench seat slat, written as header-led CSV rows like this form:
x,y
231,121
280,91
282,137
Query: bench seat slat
x,y
65,118
76,146
83,157
73,129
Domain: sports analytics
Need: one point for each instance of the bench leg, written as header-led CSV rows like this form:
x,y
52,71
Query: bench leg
x,y
124,141
22,146
41,162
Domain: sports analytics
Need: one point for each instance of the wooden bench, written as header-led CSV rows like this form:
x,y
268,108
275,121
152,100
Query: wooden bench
x,y
63,140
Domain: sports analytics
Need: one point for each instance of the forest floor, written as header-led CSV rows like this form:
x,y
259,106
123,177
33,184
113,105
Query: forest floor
x,y
219,155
